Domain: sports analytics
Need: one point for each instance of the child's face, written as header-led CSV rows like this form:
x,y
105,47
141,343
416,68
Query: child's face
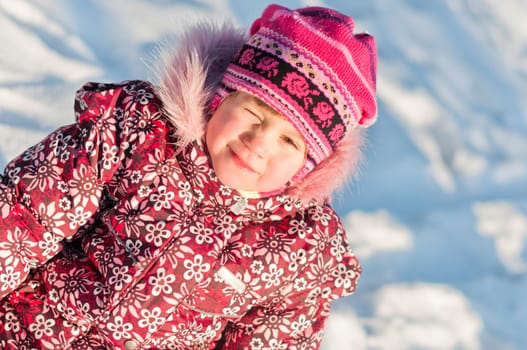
x,y
251,146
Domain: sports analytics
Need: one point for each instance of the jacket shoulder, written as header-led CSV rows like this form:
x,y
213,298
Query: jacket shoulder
x,y
102,87
332,258
124,100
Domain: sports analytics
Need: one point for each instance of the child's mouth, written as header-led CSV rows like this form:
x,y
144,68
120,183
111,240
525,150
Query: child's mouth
x,y
241,163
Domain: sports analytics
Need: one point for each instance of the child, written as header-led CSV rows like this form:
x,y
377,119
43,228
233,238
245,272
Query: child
x,y
194,214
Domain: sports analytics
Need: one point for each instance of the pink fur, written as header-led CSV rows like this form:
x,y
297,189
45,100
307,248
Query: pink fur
x,y
188,76
333,173
187,80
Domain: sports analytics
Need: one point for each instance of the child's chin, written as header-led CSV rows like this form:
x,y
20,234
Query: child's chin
x,y
241,183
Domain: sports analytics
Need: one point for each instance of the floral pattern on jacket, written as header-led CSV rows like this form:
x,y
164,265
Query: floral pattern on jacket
x,y
110,239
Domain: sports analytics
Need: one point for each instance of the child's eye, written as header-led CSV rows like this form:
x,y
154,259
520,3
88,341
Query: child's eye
x,y
290,141
256,116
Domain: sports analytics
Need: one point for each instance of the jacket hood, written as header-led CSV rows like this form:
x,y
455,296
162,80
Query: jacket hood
x,y
188,74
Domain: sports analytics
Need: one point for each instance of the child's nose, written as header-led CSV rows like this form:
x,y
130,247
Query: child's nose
x,y
259,142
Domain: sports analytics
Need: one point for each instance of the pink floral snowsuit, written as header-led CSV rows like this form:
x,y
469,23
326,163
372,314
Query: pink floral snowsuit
x,y
110,239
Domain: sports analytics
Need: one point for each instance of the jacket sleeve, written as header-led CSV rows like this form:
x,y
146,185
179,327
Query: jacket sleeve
x,y
272,327
296,317
53,188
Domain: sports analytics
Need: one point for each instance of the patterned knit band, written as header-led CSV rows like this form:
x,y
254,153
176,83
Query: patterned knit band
x,y
310,67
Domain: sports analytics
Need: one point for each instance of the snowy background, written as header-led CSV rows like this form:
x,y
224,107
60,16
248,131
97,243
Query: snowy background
x,y
438,214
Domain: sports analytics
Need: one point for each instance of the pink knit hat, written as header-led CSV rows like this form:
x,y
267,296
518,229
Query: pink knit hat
x,y
310,67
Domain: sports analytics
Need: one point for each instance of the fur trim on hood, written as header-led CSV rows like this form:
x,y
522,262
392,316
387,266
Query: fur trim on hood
x,y
187,79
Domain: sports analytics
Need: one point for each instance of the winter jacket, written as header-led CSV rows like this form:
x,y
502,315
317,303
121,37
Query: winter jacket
x,y
116,234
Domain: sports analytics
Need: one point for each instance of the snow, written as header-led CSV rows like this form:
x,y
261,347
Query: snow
x,y
371,233
508,227
438,215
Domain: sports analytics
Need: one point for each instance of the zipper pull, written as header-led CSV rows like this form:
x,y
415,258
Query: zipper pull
x,y
238,207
